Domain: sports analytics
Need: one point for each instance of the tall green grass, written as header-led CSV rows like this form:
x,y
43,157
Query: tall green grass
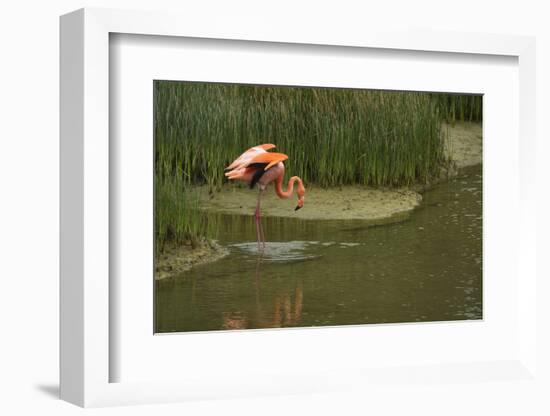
x,y
459,107
178,219
332,136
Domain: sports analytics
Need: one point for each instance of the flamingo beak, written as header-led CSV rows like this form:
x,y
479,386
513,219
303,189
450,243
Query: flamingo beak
x,y
297,208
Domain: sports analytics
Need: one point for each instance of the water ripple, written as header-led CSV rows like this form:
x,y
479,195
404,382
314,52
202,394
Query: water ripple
x,y
285,251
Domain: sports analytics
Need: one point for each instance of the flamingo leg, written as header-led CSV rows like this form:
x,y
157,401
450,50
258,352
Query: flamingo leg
x,y
262,237
256,220
259,229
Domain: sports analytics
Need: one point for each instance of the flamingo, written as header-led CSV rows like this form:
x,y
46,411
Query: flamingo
x,y
259,167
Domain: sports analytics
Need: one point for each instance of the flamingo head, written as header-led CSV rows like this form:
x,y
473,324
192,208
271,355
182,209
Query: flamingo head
x,y
301,191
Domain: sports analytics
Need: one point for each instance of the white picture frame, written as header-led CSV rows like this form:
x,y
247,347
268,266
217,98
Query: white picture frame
x,y
85,264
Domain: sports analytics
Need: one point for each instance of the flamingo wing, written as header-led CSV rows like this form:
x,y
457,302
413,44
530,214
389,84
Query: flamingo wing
x,y
269,159
245,158
267,146
252,164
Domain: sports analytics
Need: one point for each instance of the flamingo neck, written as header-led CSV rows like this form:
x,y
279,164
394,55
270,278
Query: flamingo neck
x,y
289,189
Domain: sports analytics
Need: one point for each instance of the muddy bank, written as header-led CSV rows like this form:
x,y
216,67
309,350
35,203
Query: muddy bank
x,y
463,144
178,259
463,147
346,202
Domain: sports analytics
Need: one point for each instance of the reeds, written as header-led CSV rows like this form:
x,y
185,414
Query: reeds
x,y
459,107
178,218
332,136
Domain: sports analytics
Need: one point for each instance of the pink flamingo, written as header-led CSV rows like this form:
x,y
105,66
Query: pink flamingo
x,y
257,166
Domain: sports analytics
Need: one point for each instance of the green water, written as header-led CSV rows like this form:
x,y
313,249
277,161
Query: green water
x,y
425,268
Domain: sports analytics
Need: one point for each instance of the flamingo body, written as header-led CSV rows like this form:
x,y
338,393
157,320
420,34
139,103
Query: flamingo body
x,y
259,167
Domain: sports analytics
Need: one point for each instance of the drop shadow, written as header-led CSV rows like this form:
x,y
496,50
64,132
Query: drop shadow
x,y
51,390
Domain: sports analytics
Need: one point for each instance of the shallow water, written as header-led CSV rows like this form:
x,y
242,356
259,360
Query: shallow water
x,y
425,268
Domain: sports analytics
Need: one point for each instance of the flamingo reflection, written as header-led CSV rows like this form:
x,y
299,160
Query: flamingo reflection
x,y
286,309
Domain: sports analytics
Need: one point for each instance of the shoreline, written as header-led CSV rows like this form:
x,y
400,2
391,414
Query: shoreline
x,y
179,259
342,203
464,144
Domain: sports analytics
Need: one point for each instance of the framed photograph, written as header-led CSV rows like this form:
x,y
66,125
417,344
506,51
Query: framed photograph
x,y
382,171
267,212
